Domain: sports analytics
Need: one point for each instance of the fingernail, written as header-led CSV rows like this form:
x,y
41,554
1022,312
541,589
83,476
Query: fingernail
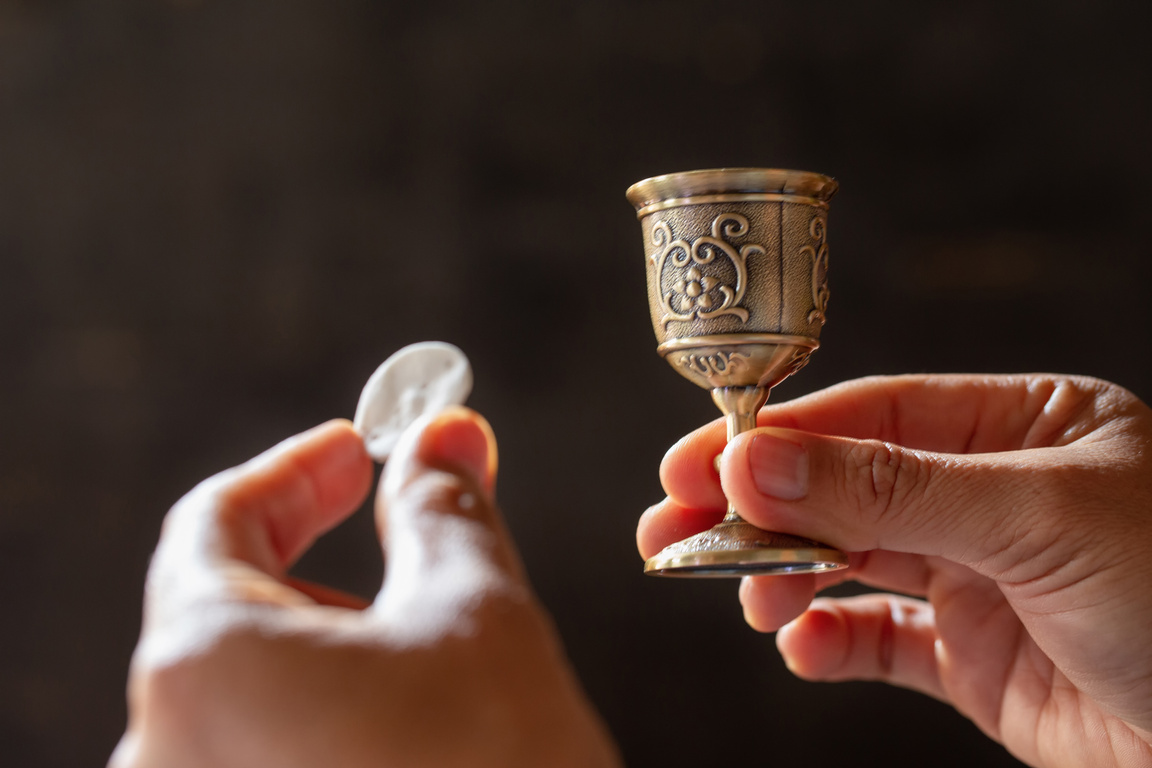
x,y
779,467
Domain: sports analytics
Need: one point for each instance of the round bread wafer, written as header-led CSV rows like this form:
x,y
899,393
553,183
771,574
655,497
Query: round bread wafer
x,y
419,379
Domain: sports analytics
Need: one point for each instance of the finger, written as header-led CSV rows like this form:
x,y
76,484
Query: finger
x,y
266,512
770,602
900,572
989,512
445,540
668,522
688,471
947,414
871,637
943,413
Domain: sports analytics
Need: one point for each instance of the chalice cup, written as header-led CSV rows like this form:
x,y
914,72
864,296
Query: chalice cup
x,y
737,263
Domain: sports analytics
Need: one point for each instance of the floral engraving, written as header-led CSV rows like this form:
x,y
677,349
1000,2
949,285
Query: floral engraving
x,y
696,287
818,253
697,294
717,364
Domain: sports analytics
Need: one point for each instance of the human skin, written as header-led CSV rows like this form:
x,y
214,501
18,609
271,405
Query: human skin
x,y
454,663
1011,518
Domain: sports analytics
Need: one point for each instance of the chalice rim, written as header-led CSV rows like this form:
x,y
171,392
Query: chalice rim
x,y
731,185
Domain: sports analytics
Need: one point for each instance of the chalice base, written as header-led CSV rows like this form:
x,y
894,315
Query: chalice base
x,y
738,548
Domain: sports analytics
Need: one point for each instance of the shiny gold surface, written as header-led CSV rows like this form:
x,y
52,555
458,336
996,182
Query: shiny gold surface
x,y
738,360
729,181
738,548
728,339
702,199
737,267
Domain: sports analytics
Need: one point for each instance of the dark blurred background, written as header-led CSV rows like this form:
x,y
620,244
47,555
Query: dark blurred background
x,y
217,218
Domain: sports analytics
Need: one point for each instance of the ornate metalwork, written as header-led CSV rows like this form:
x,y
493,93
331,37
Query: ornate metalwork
x,y
737,325
701,295
718,364
818,253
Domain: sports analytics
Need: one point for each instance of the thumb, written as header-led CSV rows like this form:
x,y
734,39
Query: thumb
x,y
444,539
981,510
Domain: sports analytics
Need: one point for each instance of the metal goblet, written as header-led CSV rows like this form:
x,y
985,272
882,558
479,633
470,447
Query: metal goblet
x,y
737,262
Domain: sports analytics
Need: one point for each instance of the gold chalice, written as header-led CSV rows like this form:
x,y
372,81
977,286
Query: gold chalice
x,y
737,262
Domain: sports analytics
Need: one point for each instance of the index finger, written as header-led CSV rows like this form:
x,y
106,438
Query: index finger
x,y
949,413
941,413
267,511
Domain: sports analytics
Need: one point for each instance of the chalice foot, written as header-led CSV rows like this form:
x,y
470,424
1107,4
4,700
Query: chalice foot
x,y
738,548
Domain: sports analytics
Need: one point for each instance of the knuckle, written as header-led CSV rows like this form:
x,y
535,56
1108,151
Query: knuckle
x,y
445,492
185,521
882,477
229,496
1071,408
221,498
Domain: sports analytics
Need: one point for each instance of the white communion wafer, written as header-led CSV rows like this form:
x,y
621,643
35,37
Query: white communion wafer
x,y
420,378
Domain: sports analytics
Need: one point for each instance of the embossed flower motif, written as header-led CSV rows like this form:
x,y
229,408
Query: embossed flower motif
x,y
696,287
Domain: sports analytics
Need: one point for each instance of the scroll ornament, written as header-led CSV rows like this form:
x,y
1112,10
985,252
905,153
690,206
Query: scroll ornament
x,y
696,293
818,254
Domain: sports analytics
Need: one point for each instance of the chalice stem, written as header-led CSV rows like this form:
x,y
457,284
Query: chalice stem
x,y
739,406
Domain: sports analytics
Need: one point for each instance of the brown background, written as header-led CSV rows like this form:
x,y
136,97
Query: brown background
x,y
217,218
